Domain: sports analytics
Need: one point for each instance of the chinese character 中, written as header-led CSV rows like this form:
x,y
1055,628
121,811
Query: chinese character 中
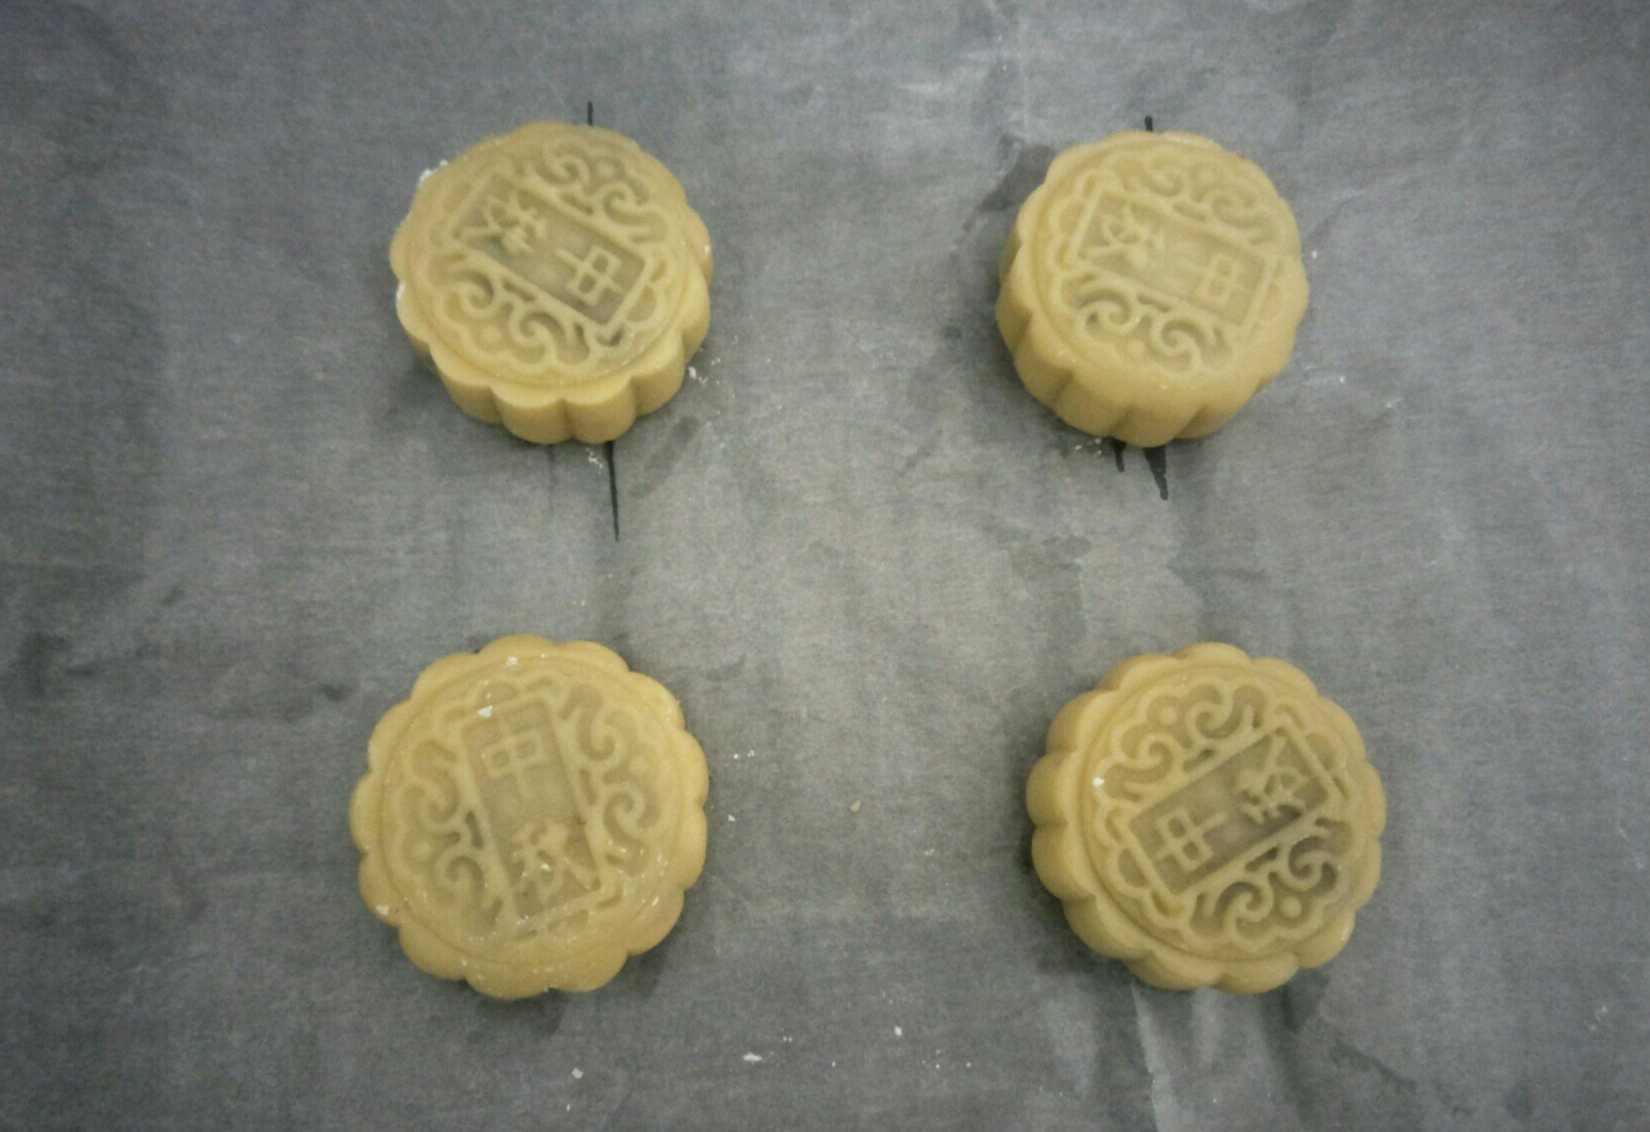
x,y
517,748
595,274
1218,279
1186,841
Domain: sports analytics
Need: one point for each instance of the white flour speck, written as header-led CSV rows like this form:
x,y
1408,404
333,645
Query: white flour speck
x,y
753,1058
578,1074
898,1033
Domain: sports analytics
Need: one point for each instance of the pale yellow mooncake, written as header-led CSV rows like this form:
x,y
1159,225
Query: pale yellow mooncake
x,y
1209,819
1150,286
530,817
557,279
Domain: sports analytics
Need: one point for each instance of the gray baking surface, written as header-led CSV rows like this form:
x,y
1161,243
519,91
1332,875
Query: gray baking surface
x,y
236,519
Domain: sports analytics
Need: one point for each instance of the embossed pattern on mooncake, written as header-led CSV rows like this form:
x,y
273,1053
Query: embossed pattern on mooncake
x,y
1209,819
531,816
1151,285
558,279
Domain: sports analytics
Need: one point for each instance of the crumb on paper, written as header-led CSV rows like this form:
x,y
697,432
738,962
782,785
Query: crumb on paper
x,y
928,852
854,809
578,1073
730,817
898,1033
753,1058
381,909
590,454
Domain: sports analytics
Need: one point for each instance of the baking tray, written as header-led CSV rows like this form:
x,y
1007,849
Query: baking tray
x,y
236,518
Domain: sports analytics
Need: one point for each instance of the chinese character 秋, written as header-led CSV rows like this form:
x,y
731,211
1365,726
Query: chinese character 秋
x,y
540,852
518,225
1137,237
1270,792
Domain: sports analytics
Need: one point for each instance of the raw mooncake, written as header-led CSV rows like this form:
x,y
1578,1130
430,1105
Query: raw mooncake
x,y
557,280
531,816
1150,286
1209,819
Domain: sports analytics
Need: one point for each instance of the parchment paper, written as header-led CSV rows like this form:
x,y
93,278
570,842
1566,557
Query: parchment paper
x,y
236,519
